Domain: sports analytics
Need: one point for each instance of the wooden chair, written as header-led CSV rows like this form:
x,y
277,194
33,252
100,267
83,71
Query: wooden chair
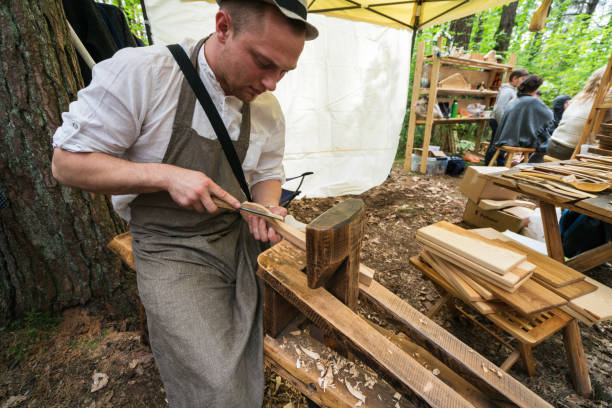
x,y
510,152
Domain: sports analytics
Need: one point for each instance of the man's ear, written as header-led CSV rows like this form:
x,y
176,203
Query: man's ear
x,y
223,26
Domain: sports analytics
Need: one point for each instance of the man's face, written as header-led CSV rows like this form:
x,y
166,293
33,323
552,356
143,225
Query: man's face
x,y
516,81
259,56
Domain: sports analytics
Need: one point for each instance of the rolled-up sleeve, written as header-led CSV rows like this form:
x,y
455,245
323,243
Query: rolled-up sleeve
x,y
108,114
269,133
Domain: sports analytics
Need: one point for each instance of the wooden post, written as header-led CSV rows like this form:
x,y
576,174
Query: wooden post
x,y
577,361
433,89
551,231
416,87
333,241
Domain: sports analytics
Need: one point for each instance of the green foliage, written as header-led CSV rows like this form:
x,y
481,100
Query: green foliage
x,y
35,328
565,53
133,13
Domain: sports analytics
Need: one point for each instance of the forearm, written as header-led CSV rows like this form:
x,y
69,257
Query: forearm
x,y
102,173
267,192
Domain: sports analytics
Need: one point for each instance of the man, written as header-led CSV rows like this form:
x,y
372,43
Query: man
x,y
505,94
138,132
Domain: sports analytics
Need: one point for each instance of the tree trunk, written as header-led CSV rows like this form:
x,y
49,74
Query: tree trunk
x,y
52,238
462,31
506,24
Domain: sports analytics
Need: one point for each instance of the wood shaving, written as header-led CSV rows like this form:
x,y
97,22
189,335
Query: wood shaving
x,y
310,353
436,372
296,333
485,369
356,393
397,396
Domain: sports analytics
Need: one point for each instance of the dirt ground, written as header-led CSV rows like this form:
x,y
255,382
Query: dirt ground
x,y
49,362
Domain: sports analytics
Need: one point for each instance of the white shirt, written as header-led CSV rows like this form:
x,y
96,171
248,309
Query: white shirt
x,y
128,109
573,121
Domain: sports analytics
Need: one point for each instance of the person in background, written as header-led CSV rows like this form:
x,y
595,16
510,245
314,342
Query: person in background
x,y
560,104
526,120
566,136
505,94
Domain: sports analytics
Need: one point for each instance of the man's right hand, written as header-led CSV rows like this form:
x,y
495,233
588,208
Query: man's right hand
x,y
194,190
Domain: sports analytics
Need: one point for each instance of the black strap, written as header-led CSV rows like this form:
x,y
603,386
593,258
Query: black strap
x,y
213,115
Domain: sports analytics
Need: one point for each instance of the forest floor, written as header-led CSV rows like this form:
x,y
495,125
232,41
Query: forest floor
x,y
50,362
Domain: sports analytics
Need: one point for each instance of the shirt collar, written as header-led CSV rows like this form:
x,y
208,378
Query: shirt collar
x,y
208,76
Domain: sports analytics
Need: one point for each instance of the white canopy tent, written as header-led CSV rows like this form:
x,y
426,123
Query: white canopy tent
x,y
344,104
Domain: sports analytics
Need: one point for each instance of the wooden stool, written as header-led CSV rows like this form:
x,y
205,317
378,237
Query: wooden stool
x,y
510,152
482,149
528,331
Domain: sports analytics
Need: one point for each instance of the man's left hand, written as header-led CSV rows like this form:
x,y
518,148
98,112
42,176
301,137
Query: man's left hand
x,y
259,229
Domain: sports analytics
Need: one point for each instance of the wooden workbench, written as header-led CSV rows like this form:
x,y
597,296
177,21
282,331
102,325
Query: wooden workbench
x,y
599,208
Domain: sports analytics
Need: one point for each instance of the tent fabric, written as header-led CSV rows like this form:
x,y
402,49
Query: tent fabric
x,y
344,104
402,14
406,14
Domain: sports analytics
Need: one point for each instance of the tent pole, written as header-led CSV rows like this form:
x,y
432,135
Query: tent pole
x,y
146,22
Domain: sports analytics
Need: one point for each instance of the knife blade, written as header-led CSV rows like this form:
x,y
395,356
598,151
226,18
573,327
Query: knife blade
x,y
222,204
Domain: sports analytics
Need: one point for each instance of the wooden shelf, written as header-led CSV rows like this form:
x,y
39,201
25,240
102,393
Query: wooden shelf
x,y
451,121
452,73
470,92
471,63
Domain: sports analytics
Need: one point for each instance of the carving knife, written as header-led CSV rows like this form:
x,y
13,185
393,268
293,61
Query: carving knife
x,y
222,204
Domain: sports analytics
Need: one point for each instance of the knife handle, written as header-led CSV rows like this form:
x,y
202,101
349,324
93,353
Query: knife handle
x,y
222,204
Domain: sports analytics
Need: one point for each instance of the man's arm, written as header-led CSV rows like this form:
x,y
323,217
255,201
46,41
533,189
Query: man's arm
x,y
103,173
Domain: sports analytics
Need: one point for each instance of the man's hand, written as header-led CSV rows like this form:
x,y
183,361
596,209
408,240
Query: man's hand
x,y
263,233
193,190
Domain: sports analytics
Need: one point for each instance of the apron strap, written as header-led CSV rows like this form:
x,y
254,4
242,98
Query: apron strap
x,y
213,115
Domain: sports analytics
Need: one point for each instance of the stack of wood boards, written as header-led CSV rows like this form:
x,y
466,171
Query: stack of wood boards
x,y
471,264
588,300
593,307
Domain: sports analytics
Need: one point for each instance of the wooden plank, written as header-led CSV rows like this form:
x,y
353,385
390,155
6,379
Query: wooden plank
x,y
509,281
591,258
491,257
529,298
571,291
599,205
450,350
281,356
597,303
465,291
333,241
328,313
548,270
429,273
475,396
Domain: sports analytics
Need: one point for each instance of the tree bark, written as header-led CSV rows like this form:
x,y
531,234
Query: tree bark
x,y
506,24
52,238
462,31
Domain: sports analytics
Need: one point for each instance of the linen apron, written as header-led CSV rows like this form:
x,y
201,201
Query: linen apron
x,y
196,278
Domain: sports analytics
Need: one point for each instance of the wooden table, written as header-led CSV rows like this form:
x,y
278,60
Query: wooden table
x,y
599,208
